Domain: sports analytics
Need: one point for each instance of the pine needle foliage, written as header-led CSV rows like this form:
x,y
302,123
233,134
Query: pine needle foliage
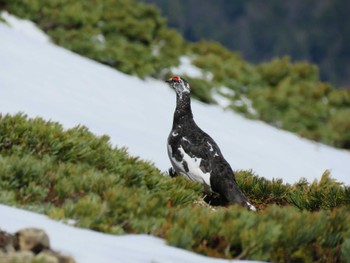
x,y
77,176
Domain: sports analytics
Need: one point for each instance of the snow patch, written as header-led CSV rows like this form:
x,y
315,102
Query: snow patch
x,y
87,246
244,101
99,41
221,100
187,68
223,96
25,27
226,91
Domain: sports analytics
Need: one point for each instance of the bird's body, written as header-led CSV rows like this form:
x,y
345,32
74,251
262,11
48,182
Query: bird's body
x,y
194,154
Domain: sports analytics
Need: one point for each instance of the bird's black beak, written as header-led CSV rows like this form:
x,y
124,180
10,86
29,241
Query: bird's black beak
x,y
168,81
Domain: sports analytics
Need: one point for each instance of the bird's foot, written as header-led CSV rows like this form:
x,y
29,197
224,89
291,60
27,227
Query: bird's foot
x,y
172,172
215,199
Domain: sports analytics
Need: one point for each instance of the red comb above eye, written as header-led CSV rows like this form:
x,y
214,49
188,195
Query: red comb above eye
x,y
175,78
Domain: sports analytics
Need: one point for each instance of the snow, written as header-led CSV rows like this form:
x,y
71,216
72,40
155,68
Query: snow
x,y
187,68
25,27
222,95
221,100
41,79
88,246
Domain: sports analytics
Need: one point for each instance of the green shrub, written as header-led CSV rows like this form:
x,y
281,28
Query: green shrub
x,y
346,250
75,176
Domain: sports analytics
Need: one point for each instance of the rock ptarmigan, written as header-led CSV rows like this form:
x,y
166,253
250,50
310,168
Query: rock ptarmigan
x,y
194,154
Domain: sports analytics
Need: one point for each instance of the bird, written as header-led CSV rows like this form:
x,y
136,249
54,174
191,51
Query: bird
x,y
195,155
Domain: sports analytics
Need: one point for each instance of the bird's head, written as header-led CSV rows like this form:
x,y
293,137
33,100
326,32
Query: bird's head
x,y
180,85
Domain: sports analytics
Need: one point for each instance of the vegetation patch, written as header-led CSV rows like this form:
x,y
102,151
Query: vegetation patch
x,y
74,175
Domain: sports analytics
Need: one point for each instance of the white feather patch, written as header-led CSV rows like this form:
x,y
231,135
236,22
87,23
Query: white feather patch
x,y
194,171
212,149
251,207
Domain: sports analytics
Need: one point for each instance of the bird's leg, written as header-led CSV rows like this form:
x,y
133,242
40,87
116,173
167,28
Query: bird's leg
x,y
215,199
172,172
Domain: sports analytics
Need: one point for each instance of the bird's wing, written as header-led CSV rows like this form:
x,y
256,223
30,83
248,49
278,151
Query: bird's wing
x,y
201,146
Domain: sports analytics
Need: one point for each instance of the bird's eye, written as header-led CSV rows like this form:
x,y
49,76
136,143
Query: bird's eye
x,y
175,78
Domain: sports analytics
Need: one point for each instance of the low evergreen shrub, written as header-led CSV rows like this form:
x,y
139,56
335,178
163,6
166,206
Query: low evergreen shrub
x,y
75,176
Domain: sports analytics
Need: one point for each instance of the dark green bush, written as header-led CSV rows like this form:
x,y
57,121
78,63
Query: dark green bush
x,y
75,175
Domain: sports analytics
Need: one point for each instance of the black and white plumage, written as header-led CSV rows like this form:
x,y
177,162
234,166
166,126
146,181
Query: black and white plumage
x,y
194,154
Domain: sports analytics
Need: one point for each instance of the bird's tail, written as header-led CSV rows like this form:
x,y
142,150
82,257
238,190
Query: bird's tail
x,y
235,195
250,206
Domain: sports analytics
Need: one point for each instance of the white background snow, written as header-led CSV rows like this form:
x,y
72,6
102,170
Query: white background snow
x,y
41,79
88,246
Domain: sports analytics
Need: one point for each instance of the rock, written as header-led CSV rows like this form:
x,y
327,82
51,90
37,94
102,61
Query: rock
x,y
19,256
6,242
50,256
47,257
66,259
27,246
31,239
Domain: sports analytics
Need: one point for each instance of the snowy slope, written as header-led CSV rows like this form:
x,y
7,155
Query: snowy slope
x,y
41,79
88,246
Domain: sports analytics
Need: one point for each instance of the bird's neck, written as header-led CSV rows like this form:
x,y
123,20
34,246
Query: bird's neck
x,y
183,112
